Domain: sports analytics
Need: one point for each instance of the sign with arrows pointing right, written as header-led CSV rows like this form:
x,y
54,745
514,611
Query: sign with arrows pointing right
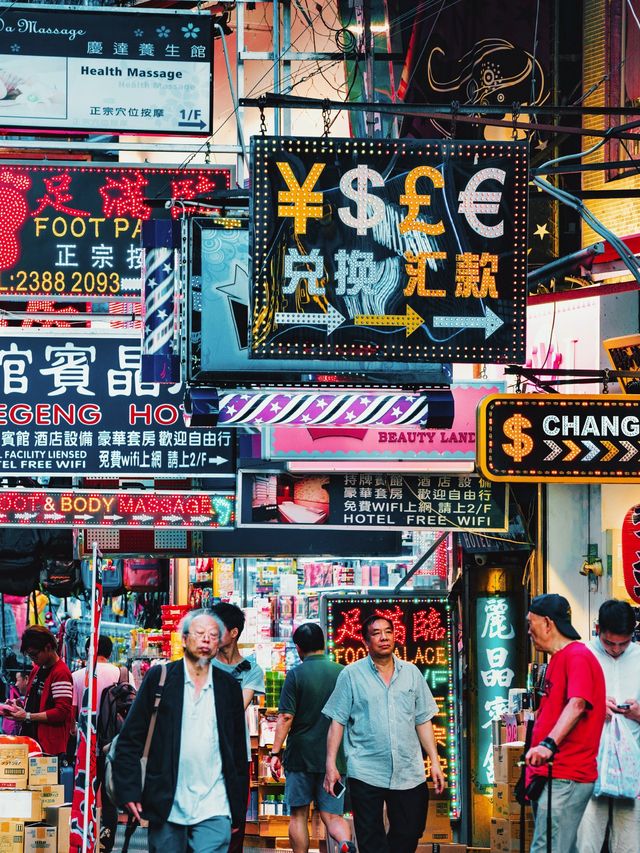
x,y
409,251
557,438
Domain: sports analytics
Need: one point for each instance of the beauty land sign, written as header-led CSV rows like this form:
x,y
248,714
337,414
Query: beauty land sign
x,y
592,438
457,444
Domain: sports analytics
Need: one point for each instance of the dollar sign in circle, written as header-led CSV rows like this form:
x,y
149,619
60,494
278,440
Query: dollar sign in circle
x,y
522,443
365,201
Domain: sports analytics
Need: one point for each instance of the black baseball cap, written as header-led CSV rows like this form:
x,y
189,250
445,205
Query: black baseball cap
x,y
555,607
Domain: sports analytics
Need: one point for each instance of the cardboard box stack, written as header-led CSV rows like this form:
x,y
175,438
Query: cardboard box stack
x,y
33,815
505,823
438,828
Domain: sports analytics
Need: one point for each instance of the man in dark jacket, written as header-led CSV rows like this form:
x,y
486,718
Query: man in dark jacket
x,y
195,787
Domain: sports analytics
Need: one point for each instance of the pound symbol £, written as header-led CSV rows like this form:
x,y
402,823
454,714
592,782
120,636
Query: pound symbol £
x,y
364,200
522,443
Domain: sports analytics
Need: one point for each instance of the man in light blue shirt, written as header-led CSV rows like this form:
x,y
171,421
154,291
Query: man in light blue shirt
x,y
384,708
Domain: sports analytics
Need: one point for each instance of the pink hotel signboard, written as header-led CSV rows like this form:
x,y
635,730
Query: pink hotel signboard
x,y
457,444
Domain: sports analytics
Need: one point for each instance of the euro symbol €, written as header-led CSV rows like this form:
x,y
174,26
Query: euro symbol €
x,y
473,202
362,221
522,443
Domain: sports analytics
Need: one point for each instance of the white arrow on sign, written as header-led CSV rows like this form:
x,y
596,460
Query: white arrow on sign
x,y
631,451
556,450
201,518
490,322
593,449
332,319
113,517
52,516
82,517
172,518
217,460
142,518
25,516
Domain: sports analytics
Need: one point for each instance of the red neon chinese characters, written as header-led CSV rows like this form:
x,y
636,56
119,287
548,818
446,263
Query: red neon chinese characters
x,y
427,625
351,628
395,616
188,189
57,196
13,213
124,196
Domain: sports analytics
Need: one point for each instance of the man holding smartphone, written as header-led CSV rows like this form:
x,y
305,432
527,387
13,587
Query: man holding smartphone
x,y
384,708
619,658
304,694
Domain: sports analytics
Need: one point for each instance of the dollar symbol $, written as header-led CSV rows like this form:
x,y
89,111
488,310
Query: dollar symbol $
x,y
362,221
522,443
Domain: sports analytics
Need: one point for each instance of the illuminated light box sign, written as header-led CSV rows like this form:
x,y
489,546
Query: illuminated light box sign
x,y
219,319
371,501
496,661
75,230
624,354
384,249
171,510
111,70
631,553
559,438
75,405
352,443
422,628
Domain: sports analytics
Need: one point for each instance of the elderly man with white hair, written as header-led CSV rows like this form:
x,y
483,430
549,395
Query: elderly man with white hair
x,y
196,777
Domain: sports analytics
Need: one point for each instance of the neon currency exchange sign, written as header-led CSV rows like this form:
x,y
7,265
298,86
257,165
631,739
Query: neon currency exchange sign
x,y
383,250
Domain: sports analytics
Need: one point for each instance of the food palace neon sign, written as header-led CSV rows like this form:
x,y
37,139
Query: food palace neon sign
x,y
422,628
146,509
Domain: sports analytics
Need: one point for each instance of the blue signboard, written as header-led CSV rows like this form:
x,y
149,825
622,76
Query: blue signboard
x,y
75,405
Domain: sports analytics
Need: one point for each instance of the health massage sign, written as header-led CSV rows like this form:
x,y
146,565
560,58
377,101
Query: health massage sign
x,y
422,628
75,230
388,250
124,71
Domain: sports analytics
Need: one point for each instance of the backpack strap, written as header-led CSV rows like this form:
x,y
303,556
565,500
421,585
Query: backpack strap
x,y
154,712
123,677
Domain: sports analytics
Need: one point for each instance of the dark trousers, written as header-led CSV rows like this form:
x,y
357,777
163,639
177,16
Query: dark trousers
x,y
406,813
109,819
236,845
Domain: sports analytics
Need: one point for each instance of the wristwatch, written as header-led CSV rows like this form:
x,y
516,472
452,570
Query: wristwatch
x,y
550,744
274,754
28,717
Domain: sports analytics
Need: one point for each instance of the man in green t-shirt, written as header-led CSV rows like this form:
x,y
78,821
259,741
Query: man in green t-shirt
x,y
300,720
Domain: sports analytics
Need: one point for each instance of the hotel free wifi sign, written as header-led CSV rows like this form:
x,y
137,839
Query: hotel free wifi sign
x,y
559,438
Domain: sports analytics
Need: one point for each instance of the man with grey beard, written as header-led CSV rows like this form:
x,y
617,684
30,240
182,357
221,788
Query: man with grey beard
x,y
196,777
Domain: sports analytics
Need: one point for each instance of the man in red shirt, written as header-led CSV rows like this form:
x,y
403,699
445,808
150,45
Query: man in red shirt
x,y
568,723
47,715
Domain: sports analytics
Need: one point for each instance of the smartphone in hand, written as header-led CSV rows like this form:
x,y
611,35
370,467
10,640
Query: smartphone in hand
x,y
339,788
624,706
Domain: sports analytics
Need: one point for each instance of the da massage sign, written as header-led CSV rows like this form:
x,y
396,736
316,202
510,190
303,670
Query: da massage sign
x,y
559,438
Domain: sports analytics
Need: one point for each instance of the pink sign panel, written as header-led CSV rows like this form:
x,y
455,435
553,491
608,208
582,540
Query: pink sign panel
x,y
457,443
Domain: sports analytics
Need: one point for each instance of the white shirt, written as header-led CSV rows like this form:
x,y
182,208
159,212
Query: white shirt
x,y
106,675
200,790
621,675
